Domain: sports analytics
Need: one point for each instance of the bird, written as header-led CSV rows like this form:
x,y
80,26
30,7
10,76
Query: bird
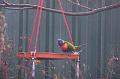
x,y
66,46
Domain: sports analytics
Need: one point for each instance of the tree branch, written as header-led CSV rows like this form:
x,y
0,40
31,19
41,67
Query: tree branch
x,y
29,6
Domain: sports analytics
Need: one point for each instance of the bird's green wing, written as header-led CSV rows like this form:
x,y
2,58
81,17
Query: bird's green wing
x,y
70,46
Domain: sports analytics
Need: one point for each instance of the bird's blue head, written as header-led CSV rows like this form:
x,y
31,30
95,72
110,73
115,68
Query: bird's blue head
x,y
60,42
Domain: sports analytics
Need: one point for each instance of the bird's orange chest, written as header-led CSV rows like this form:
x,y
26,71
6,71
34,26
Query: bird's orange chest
x,y
64,46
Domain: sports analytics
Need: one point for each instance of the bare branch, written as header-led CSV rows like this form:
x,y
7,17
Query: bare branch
x,y
81,5
29,6
17,8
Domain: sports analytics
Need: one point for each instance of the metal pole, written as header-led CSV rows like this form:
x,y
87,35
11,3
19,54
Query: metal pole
x,y
78,69
33,64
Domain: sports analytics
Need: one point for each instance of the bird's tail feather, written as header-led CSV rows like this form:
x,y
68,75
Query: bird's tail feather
x,y
77,47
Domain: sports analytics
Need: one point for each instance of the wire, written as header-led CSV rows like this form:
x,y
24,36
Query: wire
x,y
65,21
38,28
33,26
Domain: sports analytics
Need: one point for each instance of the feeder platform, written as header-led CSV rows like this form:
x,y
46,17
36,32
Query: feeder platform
x,y
47,55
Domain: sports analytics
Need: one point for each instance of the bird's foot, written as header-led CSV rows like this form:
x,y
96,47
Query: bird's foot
x,y
77,52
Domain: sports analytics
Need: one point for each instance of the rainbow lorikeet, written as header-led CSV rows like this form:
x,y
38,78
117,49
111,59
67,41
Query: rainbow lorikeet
x,y
66,46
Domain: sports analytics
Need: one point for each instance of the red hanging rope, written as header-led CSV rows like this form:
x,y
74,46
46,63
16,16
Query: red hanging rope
x,y
34,25
65,21
38,27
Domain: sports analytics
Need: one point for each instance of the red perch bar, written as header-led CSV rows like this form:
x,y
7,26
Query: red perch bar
x,y
47,55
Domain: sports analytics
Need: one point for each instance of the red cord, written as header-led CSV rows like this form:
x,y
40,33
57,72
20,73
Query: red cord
x,y
38,27
33,26
65,21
